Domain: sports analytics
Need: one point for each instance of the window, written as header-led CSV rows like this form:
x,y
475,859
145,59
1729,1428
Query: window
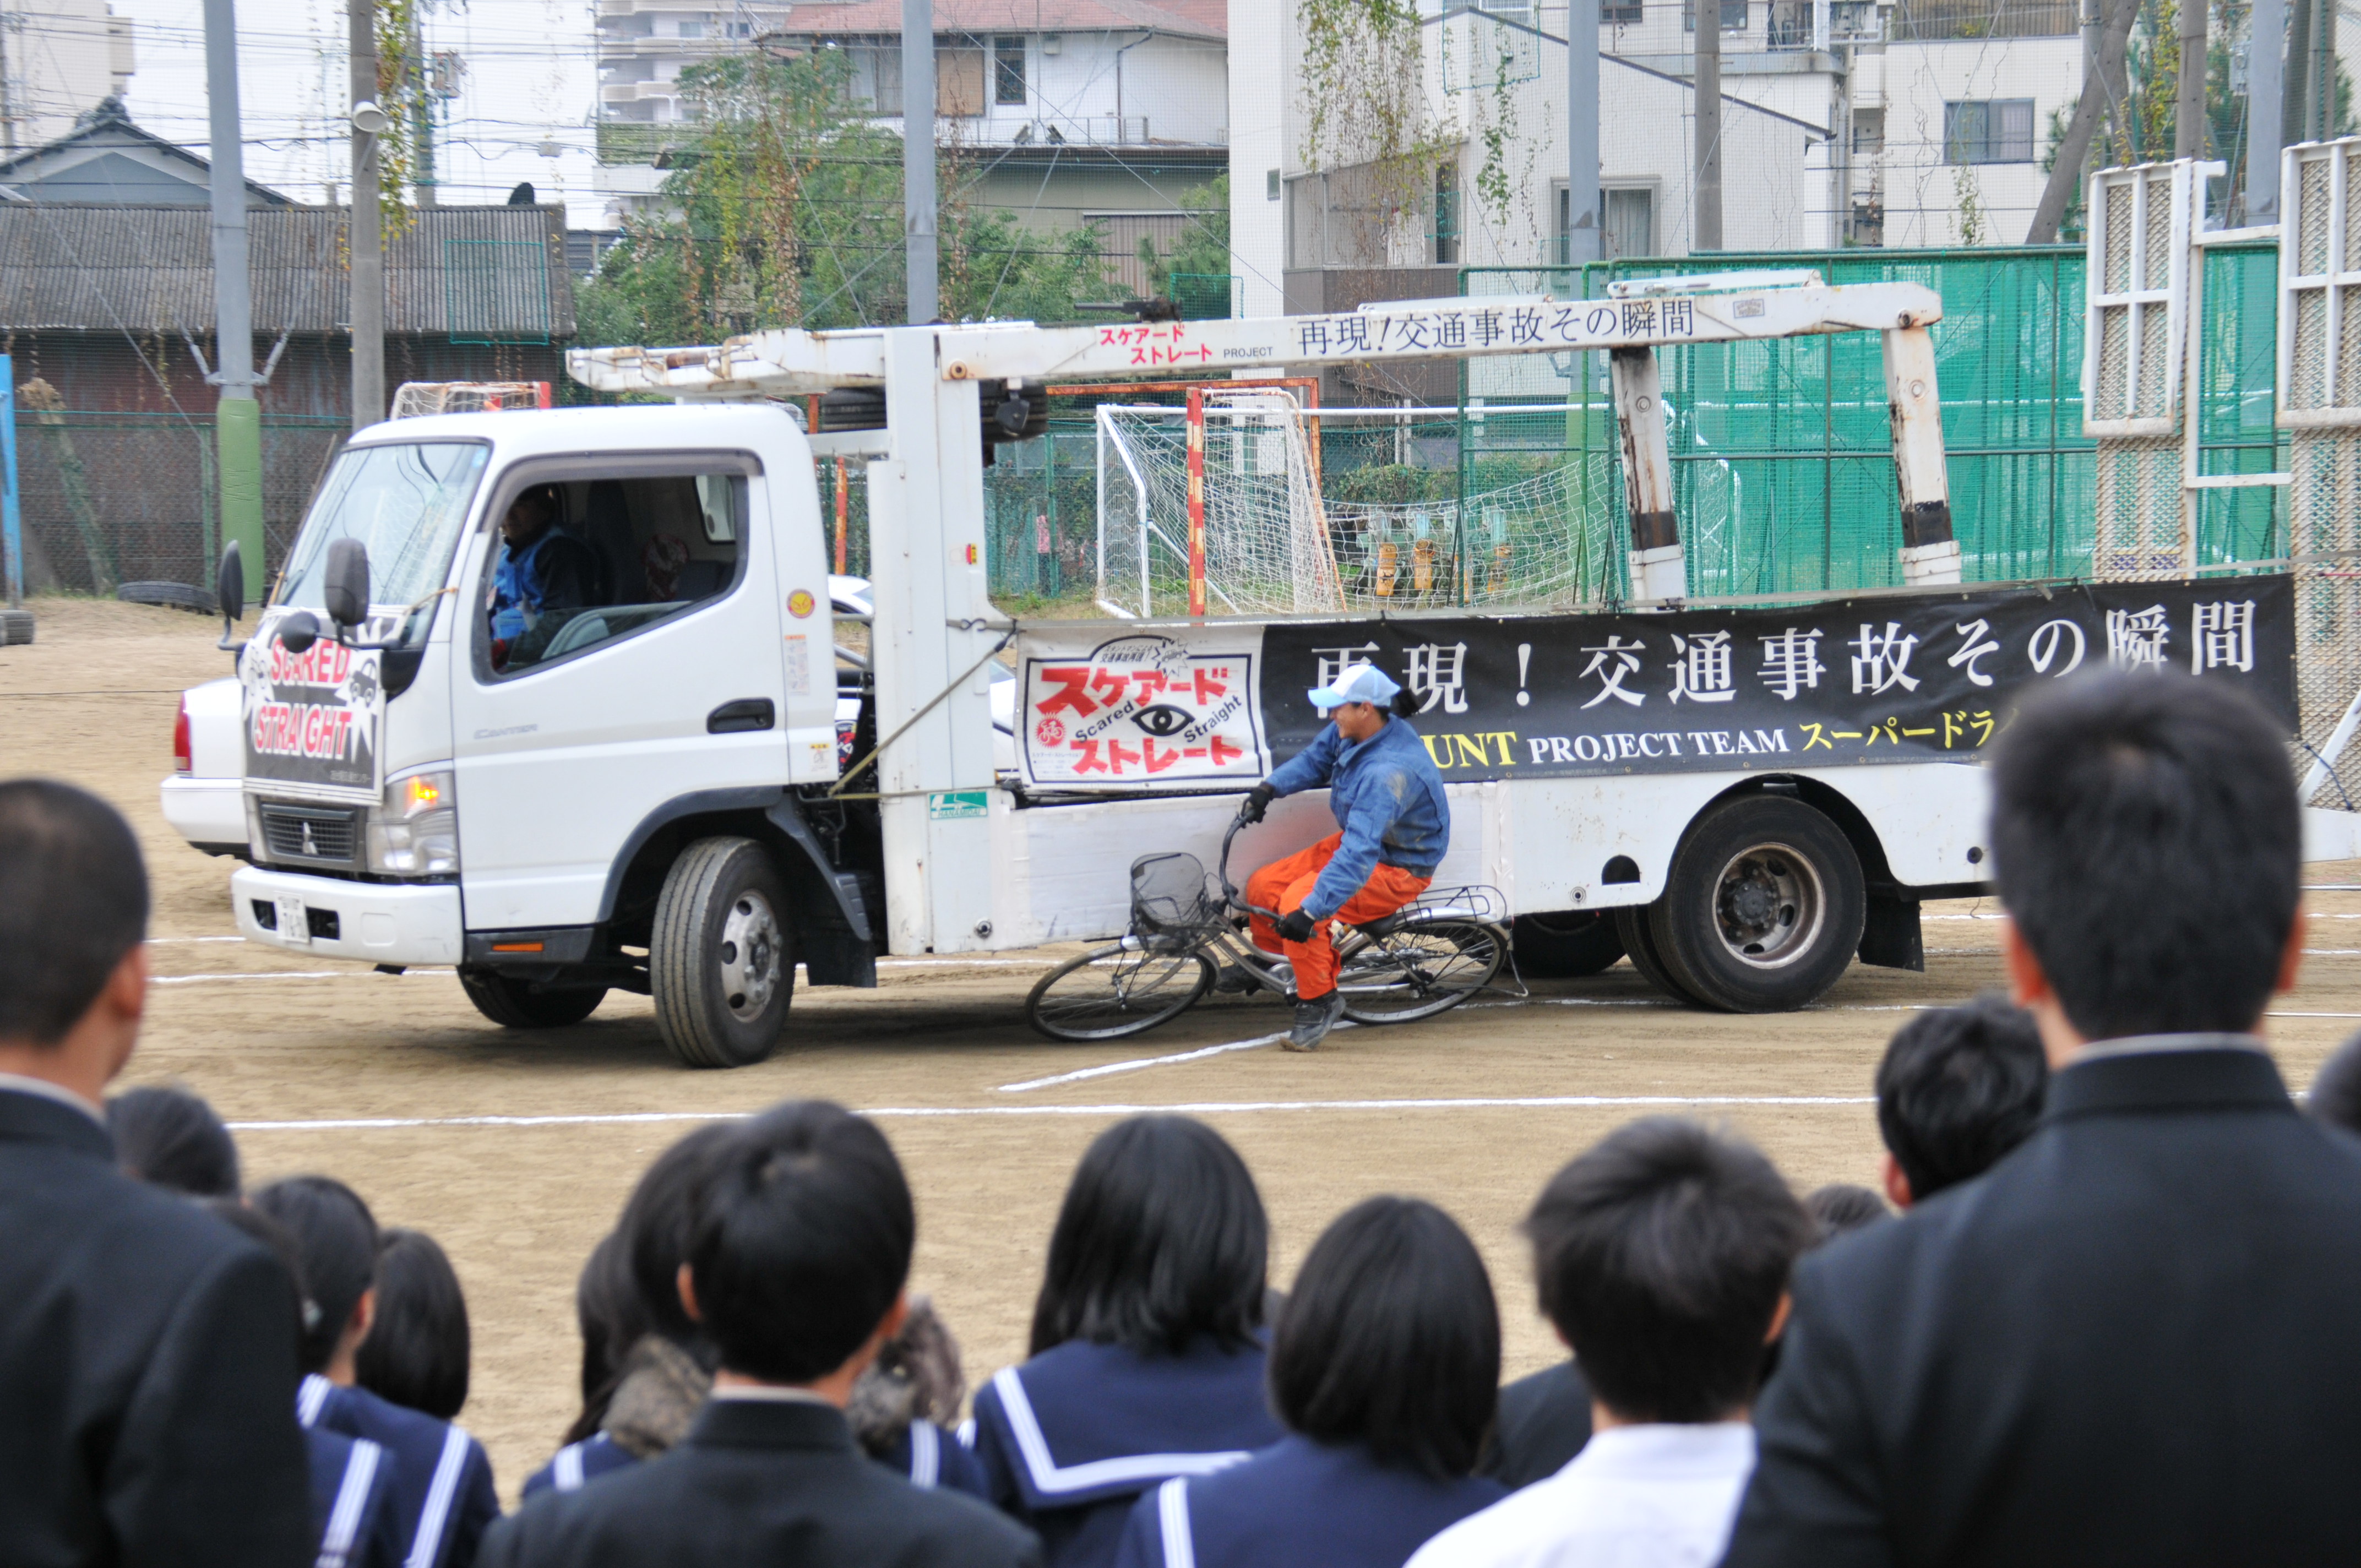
x,y
406,504
1270,185
619,555
958,83
877,77
1628,225
1733,15
1618,13
1008,70
692,29
1446,215
1868,130
1988,130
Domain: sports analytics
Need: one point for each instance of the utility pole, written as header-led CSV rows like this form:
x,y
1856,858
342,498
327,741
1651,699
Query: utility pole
x,y
1705,16
918,157
2189,109
238,420
2295,112
368,232
422,113
2265,82
1582,133
2323,72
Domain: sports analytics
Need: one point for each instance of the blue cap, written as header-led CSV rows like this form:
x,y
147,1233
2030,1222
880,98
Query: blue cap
x,y
1354,682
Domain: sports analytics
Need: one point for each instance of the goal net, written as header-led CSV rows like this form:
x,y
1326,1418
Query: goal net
x,y
1277,541
414,399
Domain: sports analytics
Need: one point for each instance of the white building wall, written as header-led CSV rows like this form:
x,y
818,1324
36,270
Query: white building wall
x,y
1258,154
61,59
1922,193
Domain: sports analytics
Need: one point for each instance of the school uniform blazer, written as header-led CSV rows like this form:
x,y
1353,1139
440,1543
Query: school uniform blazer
x,y
2135,1340
146,1366
442,1481
1544,1421
352,1502
758,1483
1069,1440
1299,1502
926,1456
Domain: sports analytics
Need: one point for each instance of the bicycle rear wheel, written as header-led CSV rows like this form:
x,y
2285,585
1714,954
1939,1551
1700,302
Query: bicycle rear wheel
x,y
1114,991
1425,968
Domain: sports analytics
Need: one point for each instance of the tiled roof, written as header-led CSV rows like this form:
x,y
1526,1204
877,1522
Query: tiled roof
x,y
495,272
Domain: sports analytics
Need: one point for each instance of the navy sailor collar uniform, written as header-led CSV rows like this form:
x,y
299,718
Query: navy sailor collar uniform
x,y
1071,1438
926,1454
1299,1502
352,1502
443,1494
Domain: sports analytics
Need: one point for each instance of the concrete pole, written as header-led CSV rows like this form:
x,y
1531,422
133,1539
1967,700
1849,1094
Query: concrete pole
x,y
2295,109
238,422
918,157
2189,108
2323,75
1706,231
2264,85
1582,238
368,232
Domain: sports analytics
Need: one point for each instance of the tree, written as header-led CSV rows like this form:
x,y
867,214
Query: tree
x,y
785,209
1203,247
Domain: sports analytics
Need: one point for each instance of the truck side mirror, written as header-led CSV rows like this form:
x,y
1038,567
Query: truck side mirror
x,y
229,594
345,586
298,630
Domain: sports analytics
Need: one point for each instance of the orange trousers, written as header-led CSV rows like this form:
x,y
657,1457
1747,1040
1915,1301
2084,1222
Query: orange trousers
x,y
1284,885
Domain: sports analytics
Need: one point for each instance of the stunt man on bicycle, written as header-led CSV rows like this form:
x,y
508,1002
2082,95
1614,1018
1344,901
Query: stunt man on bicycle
x,y
1394,828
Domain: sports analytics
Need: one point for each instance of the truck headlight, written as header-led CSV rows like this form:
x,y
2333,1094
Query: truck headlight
x,y
415,830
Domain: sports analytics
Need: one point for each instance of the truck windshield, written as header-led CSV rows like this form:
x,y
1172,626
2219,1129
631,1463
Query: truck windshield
x,y
406,504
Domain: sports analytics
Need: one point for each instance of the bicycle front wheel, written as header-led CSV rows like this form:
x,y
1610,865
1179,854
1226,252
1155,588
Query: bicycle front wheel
x,y
1114,991
1427,967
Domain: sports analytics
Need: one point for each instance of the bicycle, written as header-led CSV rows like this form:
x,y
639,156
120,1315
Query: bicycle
x,y
1426,958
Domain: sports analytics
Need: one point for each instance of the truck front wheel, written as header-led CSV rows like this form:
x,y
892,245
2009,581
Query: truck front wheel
x,y
1762,908
722,962
515,1003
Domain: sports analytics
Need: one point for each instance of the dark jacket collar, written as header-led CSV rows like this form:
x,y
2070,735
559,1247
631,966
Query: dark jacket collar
x,y
766,1423
2169,1072
37,1118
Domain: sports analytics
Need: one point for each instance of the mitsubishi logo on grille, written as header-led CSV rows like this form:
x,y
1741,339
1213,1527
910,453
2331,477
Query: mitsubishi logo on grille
x,y
309,847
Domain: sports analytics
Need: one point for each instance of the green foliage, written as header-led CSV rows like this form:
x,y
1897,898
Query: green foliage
x,y
1203,247
785,209
1363,96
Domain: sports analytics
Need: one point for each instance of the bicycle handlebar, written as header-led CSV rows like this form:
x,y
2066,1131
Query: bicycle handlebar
x,y
1230,892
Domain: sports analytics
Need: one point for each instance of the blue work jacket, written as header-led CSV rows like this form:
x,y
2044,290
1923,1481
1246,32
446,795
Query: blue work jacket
x,y
1388,798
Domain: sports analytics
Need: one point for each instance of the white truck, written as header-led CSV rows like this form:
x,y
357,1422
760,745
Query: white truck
x,y
654,792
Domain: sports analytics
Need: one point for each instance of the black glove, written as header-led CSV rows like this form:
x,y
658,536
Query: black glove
x,y
1259,801
1295,926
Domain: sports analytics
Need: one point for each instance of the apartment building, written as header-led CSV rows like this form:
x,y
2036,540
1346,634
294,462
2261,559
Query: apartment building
x,y
58,59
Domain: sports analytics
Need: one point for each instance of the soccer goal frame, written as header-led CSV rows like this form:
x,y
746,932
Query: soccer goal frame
x,y
1195,390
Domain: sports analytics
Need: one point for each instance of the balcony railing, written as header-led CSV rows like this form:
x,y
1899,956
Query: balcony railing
x,y
1829,23
1938,21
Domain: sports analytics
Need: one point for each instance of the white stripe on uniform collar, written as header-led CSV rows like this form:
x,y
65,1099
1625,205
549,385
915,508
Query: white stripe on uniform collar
x,y
565,1470
1172,1514
311,1397
925,1455
426,1546
352,1498
1051,1479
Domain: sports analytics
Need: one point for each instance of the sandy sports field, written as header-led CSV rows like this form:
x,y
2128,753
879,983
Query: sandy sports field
x,y
515,1150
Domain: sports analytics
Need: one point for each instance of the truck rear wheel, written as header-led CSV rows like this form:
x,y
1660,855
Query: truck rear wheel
x,y
721,964
1764,907
1640,941
1565,945
516,1004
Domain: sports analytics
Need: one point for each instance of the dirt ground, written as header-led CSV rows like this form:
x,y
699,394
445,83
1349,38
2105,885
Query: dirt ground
x,y
516,1150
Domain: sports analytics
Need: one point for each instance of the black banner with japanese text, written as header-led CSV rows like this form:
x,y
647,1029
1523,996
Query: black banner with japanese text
x,y
1919,677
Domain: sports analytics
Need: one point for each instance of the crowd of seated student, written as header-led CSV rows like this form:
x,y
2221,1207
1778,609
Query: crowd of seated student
x,y
2106,1213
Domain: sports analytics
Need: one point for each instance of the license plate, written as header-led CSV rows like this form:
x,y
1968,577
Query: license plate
x,y
294,922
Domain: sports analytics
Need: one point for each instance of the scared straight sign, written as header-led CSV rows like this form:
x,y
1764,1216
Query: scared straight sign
x,y
1926,677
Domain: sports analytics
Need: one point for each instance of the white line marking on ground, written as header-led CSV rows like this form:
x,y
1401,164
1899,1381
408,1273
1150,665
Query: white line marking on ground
x,y
176,941
1197,1108
293,974
1199,1053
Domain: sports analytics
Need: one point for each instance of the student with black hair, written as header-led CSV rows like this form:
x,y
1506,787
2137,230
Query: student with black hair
x,y
1842,1208
1384,1367
1958,1088
442,1480
647,1367
147,1365
354,1521
2335,1097
1147,1354
2131,1341
795,1273
1661,1257
171,1139
416,1352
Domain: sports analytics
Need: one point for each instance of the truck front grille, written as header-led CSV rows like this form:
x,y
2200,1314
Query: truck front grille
x,y
311,834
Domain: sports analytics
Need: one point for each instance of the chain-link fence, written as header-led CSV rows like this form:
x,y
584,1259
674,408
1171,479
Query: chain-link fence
x,y
115,498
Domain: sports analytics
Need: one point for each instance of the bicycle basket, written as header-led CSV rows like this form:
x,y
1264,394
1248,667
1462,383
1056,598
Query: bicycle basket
x,y
1169,902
